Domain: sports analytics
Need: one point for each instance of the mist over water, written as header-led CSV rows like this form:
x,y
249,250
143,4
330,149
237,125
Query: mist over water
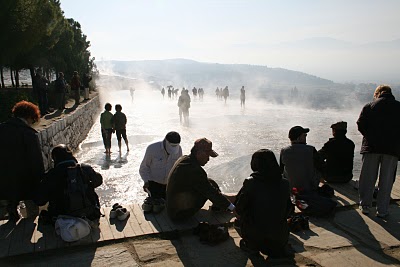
x,y
236,134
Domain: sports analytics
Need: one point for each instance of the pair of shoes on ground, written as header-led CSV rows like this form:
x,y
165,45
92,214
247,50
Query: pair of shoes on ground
x,y
119,212
155,205
365,210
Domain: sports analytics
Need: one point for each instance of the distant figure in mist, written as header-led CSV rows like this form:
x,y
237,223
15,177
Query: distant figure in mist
x,y
155,167
338,155
106,122
379,123
169,91
184,105
119,122
217,93
225,93
201,93
176,91
132,91
163,92
194,91
264,205
188,186
21,161
242,96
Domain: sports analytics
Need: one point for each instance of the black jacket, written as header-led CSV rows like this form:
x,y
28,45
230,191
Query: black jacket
x,y
264,204
51,188
21,162
379,123
339,154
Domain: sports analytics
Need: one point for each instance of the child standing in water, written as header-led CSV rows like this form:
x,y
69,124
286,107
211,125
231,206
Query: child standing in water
x,y
119,121
106,121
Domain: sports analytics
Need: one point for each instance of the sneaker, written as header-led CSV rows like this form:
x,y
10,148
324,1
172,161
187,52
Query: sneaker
x,y
364,209
122,214
382,215
158,205
147,205
113,211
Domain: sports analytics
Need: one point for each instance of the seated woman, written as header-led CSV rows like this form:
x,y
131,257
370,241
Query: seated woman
x,y
263,204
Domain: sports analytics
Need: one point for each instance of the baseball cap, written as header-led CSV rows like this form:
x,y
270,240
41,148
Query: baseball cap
x,y
296,131
205,145
341,125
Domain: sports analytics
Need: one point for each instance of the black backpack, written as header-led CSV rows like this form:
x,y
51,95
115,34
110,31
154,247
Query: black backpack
x,y
80,198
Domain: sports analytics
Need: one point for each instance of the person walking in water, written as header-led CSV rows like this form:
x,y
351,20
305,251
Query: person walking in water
x,y
132,91
106,121
225,93
163,92
242,96
119,122
184,105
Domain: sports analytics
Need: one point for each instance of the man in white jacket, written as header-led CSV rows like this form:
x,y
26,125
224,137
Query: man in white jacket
x,y
154,169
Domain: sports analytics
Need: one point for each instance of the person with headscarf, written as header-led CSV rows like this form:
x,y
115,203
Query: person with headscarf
x,y
154,169
263,205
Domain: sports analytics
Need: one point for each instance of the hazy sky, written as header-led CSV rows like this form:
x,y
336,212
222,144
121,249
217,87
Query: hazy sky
x,y
250,32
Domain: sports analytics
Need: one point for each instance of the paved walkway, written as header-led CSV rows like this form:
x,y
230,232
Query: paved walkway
x,y
348,239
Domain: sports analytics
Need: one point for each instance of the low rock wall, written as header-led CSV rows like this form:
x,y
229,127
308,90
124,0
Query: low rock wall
x,y
70,129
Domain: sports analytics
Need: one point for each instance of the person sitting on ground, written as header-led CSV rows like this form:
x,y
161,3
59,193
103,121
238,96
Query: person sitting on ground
x,y
119,121
21,161
64,200
155,167
188,186
263,204
302,166
106,122
338,154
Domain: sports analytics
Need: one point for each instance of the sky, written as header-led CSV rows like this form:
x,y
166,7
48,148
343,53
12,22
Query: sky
x,y
329,39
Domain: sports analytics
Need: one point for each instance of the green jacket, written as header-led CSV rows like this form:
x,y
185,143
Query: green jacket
x,y
188,189
106,120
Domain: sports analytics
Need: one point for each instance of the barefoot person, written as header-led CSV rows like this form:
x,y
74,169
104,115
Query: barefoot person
x,y
106,121
119,121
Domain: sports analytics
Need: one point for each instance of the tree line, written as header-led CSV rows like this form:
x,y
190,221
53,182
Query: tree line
x,y
35,34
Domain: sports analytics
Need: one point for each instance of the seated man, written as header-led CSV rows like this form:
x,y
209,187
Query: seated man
x,y
76,198
338,154
188,186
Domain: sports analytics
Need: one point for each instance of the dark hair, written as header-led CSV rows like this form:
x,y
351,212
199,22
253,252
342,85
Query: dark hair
x,y
264,162
107,106
173,137
118,107
60,153
26,110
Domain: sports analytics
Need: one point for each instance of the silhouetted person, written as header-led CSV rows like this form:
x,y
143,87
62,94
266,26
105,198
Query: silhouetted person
x,y
225,93
184,105
76,87
86,80
264,204
379,123
61,88
106,122
21,161
338,155
132,92
242,96
40,87
119,122
163,92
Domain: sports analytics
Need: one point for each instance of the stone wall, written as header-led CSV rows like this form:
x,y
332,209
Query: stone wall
x,y
70,129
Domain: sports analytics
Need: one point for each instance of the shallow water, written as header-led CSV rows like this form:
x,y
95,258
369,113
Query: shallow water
x,y
236,134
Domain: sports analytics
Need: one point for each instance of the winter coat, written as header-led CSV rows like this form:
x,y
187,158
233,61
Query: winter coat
x,y
379,123
21,161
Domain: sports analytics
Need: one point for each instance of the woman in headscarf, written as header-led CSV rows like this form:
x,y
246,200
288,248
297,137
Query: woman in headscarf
x,y
263,204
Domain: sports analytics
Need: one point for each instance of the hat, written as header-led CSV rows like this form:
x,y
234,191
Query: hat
x,y
296,131
205,145
173,137
341,125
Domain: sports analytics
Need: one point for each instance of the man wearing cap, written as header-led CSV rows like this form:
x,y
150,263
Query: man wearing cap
x,y
379,123
156,165
188,186
299,162
338,155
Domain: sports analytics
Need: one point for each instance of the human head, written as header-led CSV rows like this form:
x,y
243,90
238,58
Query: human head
x,y
60,153
26,110
298,134
118,107
202,150
382,89
264,162
107,106
75,73
172,141
339,128
60,74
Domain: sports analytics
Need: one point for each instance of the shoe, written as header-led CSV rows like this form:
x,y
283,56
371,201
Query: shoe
x,y
122,214
147,205
382,215
364,209
113,211
158,205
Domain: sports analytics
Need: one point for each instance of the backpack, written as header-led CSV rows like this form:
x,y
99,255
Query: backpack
x,y
80,198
